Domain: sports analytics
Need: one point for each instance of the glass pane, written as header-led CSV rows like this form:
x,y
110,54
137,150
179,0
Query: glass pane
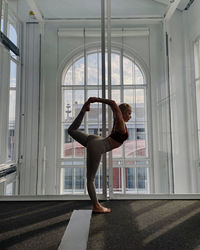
x,y
130,180
11,125
68,77
12,33
12,106
136,180
117,180
130,147
66,175
95,113
100,68
73,101
78,72
13,74
116,96
142,179
138,75
79,149
127,71
2,23
106,67
117,152
130,98
2,16
99,181
67,102
130,144
67,143
79,180
115,70
92,69
140,140
140,108
10,188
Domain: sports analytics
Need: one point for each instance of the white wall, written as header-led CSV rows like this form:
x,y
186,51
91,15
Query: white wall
x,y
191,20
50,67
30,111
56,50
159,107
183,27
152,52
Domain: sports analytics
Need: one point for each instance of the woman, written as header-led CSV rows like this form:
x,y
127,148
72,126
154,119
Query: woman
x,y
96,145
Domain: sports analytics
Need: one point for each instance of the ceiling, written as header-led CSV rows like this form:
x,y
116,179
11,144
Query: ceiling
x,y
69,9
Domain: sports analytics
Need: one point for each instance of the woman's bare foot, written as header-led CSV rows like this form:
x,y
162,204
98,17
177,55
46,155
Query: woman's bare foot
x,y
98,208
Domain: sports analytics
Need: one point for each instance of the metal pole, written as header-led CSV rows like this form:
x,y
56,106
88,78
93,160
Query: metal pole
x,y
103,93
86,96
167,67
109,93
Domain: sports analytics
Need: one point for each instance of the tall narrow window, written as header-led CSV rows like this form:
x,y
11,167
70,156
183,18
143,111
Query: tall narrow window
x,y
197,85
12,33
10,26
128,84
12,111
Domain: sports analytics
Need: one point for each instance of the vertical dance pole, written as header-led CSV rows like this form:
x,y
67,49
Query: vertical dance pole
x,y
103,92
109,93
86,97
171,167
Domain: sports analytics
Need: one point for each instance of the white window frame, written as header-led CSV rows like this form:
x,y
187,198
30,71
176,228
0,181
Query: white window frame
x,y
144,70
4,111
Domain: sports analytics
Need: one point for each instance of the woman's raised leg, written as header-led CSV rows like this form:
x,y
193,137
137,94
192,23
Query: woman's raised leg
x,y
77,134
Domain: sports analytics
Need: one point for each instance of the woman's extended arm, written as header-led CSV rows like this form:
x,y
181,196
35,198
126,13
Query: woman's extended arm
x,y
119,121
111,103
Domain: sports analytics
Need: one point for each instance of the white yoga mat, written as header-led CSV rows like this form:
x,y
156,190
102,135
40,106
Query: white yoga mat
x,y
76,234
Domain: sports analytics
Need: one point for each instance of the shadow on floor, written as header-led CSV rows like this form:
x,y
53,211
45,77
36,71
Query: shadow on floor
x,y
37,224
147,224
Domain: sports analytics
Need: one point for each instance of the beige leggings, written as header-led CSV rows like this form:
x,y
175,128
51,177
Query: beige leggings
x,y
96,146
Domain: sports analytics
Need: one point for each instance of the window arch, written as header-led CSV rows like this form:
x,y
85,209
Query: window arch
x,y
81,79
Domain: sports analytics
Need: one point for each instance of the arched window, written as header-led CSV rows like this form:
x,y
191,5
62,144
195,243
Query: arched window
x,y
82,79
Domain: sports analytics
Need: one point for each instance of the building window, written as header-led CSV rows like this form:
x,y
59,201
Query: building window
x,y
12,111
130,87
10,86
197,85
